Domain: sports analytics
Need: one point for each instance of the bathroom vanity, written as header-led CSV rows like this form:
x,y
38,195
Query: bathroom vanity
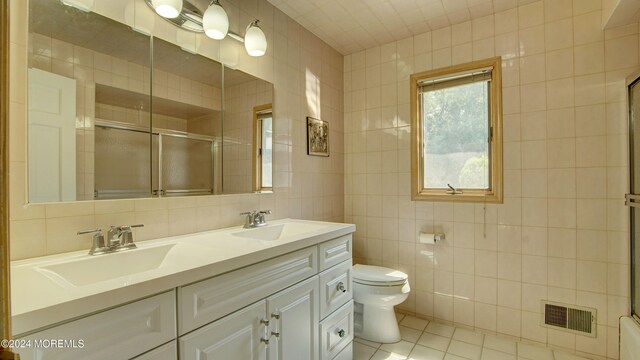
x,y
282,291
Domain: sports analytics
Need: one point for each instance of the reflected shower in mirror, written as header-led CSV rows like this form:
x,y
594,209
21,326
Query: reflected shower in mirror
x,y
187,121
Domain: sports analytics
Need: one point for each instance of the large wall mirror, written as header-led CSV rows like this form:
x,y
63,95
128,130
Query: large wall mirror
x,y
115,113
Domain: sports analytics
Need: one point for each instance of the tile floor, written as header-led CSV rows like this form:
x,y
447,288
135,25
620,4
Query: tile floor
x,y
424,340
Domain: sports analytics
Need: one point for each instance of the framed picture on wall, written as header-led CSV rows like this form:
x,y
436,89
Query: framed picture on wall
x,y
317,137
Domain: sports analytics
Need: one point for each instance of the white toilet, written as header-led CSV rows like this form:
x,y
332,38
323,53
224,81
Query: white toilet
x,y
376,290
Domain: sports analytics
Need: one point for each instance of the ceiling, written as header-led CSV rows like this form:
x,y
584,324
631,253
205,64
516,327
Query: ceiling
x,y
353,25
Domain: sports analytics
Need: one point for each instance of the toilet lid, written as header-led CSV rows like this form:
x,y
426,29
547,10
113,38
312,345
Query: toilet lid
x,y
368,274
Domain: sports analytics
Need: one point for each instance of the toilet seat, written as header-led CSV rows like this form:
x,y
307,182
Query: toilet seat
x,y
377,276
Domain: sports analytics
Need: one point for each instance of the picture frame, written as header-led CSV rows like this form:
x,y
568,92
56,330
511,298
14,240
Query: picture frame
x,y
317,137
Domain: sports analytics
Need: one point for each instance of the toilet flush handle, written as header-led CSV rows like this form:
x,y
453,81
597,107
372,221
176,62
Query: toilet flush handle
x,y
340,287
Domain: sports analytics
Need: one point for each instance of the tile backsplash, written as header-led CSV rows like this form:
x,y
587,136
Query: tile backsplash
x,y
307,77
561,233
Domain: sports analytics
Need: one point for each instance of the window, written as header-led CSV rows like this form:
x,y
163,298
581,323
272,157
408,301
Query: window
x,y
263,147
456,129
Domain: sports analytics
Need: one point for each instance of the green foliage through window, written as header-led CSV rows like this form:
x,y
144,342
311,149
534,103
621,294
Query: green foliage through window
x,y
456,132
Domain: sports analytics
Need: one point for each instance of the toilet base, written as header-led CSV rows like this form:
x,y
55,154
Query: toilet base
x,y
376,323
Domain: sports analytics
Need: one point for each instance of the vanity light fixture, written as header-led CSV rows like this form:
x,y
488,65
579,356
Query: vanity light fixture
x,y
254,40
215,21
167,8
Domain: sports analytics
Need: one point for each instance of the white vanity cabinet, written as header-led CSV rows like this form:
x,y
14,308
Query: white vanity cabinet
x,y
120,333
237,336
294,306
284,326
167,351
310,317
294,322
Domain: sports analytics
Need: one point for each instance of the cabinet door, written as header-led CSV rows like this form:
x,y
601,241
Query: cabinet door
x,y
165,352
236,336
294,315
120,333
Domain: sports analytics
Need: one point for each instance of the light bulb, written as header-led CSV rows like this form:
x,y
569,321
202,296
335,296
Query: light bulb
x,y
254,40
168,8
215,21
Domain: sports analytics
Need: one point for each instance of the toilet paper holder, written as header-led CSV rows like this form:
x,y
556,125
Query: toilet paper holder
x,y
426,238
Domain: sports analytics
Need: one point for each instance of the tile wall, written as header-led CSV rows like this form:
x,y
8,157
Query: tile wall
x,y
307,77
561,233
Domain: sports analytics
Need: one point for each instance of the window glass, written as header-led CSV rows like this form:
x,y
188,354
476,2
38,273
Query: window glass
x,y
266,153
263,148
455,128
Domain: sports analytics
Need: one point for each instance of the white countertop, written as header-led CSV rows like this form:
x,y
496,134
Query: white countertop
x,y
40,298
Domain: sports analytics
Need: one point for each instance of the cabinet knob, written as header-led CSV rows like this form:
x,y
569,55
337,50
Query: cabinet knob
x,y
340,287
341,333
265,341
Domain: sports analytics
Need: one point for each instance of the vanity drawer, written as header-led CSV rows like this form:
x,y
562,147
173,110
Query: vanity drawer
x,y
119,333
334,251
336,332
165,352
209,300
335,288
346,353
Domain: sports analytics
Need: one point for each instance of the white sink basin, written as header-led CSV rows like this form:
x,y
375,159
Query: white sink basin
x,y
278,231
99,268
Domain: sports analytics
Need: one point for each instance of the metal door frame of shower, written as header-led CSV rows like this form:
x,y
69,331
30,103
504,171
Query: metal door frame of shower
x,y
632,200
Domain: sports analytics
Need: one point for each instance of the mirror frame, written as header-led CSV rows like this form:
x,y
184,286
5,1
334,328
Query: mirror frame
x,y
5,309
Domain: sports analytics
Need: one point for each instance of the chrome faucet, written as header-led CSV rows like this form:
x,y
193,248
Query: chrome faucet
x,y
255,218
118,238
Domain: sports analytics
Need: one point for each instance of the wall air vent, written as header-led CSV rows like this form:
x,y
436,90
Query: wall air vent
x,y
571,318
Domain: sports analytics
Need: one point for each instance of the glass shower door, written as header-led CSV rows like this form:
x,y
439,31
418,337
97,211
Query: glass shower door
x,y
633,199
186,165
122,163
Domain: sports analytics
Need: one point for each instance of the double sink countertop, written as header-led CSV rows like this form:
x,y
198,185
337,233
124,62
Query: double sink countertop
x,y
52,289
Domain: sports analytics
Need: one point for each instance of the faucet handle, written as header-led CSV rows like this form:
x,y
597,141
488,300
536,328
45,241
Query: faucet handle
x,y
97,247
252,212
96,231
265,212
127,236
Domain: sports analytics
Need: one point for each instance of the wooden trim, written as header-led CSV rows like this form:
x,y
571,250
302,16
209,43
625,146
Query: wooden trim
x,y
4,172
495,193
256,165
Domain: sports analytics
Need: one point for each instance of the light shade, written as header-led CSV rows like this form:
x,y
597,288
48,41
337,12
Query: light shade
x,y
215,21
168,8
140,17
254,40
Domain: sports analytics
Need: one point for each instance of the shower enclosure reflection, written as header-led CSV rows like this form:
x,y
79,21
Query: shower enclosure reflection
x,y
633,199
185,133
